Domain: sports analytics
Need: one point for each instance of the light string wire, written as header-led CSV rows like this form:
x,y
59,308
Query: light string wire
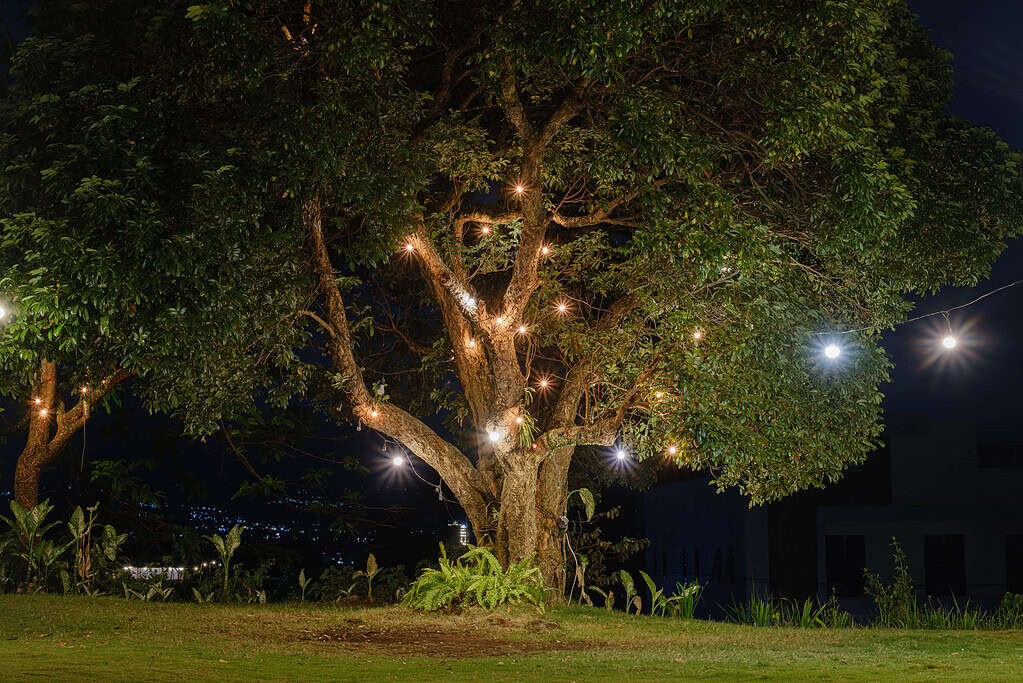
x,y
943,312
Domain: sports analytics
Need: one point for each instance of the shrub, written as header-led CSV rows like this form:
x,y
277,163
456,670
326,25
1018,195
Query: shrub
x,y
682,603
476,579
896,602
759,611
1009,613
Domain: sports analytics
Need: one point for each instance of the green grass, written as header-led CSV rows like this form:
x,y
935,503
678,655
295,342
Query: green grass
x,y
109,639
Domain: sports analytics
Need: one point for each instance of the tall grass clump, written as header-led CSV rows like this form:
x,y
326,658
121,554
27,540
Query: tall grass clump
x,y
475,579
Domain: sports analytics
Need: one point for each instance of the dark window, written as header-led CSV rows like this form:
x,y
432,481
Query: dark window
x,y
1000,455
945,564
1014,563
844,560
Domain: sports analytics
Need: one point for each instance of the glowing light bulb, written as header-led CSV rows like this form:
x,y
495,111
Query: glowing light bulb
x,y
522,329
3,313
494,436
545,250
43,412
544,383
409,247
85,390
518,420
832,351
949,342
519,189
397,461
471,343
672,450
37,400
562,307
374,412
659,394
620,454
485,230
697,335
500,320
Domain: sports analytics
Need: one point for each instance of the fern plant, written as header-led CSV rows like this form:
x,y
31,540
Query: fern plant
x,y
476,579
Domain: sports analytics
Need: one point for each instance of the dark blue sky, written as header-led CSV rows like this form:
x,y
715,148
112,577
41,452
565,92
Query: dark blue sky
x,y
982,380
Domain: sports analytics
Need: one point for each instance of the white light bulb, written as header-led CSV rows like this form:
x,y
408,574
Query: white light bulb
x,y
471,343
832,351
373,413
409,247
544,383
522,329
43,412
494,436
659,394
545,250
500,320
949,342
518,420
519,189
562,308
672,450
620,454
3,313
485,230
397,461
697,335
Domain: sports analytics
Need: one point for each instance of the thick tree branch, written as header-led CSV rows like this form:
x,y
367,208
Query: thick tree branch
x,y
452,465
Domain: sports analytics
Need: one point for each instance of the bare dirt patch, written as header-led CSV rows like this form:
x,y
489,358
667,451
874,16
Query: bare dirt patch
x,y
436,641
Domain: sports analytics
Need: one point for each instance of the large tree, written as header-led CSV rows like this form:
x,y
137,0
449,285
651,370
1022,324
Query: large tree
x,y
128,246
630,223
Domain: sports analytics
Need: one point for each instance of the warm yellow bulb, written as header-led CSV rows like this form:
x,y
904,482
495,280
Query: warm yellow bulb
x,y
485,230
85,390
672,450
545,250
43,412
471,343
518,420
659,394
500,320
697,335
409,247
544,383
374,413
519,189
522,329
37,400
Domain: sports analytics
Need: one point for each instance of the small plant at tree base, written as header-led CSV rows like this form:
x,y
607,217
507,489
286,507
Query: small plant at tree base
x,y
303,583
896,602
658,603
609,597
371,570
225,548
632,599
682,603
476,579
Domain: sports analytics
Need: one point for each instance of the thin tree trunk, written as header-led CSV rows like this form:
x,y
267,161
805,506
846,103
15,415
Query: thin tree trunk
x,y
517,528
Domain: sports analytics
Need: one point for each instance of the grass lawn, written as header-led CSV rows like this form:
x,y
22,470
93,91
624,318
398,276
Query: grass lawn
x,y
109,639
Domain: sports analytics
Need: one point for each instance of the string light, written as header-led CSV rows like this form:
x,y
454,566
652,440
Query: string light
x,y
518,420
672,450
374,412
832,351
949,342
500,320
397,461
697,335
543,250
485,230
3,313
659,394
519,189
620,455
471,343
37,400
544,383
43,412
494,436
85,390
522,329
409,247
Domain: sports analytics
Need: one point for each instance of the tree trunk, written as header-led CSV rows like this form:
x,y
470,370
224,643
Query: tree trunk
x,y
26,474
517,527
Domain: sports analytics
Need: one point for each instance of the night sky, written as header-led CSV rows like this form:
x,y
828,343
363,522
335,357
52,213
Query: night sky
x,y
981,383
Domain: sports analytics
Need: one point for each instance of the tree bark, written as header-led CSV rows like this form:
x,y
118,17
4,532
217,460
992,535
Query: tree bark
x,y
50,428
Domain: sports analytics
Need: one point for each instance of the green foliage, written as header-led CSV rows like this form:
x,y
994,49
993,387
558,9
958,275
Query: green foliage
x,y
225,548
896,602
303,583
371,571
632,599
682,603
761,610
658,601
475,579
